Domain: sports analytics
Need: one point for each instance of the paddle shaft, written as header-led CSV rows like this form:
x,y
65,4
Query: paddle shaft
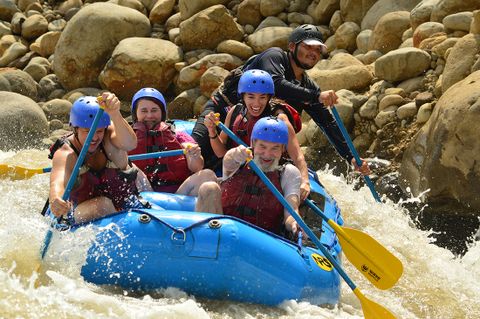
x,y
73,176
135,157
300,222
290,209
347,138
370,309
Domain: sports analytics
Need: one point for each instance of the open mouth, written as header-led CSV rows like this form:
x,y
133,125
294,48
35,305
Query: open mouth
x,y
266,161
255,110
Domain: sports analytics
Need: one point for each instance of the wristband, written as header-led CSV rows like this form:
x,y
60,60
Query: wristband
x,y
213,137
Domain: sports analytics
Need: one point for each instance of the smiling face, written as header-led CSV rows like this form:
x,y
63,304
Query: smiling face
x,y
97,139
149,112
307,55
255,103
267,154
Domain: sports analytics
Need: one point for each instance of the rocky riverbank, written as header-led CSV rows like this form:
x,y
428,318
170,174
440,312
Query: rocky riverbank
x,y
407,72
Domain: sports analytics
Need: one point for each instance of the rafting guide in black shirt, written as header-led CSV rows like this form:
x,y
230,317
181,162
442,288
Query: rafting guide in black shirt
x,y
292,84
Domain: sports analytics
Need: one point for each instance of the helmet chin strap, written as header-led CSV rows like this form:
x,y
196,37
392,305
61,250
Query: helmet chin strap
x,y
297,61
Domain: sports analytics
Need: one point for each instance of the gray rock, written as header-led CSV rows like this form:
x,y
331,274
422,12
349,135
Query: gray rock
x,y
208,28
402,64
407,111
86,59
444,154
21,83
57,109
22,122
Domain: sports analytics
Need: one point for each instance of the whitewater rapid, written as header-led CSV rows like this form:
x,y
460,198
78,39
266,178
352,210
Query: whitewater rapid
x,y
435,283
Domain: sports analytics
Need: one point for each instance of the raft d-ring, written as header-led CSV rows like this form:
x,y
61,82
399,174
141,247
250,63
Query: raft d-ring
x,y
214,223
144,218
178,231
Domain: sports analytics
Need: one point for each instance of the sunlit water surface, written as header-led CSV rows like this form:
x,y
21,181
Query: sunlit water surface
x,y
435,283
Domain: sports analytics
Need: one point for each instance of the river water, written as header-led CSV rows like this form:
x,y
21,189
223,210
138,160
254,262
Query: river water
x,y
435,283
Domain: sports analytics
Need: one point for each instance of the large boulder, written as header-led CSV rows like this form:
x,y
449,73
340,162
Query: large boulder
x,y
21,82
22,122
445,153
140,62
89,39
343,71
346,36
188,7
189,76
387,34
444,8
422,12
248,12
161,11
7,9
269,37
206,29
354,10
382,7
402,64
460,60
325,9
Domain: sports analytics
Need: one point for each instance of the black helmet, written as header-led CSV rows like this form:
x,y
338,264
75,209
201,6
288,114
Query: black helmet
x,y
308,33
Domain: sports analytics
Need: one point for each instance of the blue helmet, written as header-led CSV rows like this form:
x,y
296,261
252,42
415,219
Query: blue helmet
x,y
150,93
256,81
83,113
270,129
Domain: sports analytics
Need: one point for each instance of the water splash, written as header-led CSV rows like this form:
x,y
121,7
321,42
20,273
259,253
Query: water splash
x,y
435,284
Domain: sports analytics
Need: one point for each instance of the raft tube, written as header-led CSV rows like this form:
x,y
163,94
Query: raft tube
x,y
211,256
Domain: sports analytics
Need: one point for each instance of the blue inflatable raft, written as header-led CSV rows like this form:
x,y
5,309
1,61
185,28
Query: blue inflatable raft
x,y
212,256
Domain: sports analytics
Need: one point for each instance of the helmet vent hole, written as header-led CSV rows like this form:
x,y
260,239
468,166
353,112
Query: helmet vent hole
x,y
254,81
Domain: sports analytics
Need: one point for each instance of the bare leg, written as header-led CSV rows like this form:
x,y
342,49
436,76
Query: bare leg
x,y
209,198
192,184
93,208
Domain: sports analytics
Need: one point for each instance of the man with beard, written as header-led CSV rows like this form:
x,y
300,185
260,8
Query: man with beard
x,y
292,84
243,194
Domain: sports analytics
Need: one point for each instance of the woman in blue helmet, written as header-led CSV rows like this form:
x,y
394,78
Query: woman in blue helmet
x,y
106,181
243,194
256,89
154,134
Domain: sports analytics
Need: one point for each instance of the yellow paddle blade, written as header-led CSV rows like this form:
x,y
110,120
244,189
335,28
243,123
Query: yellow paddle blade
x,y
18,172
373,260
372,310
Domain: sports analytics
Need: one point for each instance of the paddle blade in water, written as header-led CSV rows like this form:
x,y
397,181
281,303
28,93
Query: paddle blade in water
x,y
375,262
372,310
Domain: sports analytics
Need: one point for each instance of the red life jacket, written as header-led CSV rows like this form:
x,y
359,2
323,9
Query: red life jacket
x,y
165,174
112,183
245,195
292,114
242,127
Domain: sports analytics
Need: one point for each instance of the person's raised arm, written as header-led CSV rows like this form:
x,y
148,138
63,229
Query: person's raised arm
x,y
235,158
217,141
121,133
